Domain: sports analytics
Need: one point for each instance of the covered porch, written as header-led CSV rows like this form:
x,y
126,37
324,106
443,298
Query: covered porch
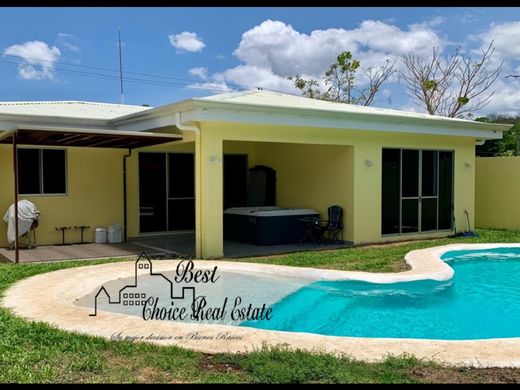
x,y
65,138
178,245
299,185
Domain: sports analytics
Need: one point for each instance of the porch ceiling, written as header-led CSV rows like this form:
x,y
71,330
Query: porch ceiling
x,y
78,137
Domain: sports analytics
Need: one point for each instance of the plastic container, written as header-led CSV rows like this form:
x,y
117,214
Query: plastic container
x,y
114,233
100,235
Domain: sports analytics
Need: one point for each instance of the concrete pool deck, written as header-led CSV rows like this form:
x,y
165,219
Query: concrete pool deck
x,y
50,298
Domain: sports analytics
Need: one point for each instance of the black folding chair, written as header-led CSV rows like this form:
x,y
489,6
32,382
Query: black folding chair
x,y
331,227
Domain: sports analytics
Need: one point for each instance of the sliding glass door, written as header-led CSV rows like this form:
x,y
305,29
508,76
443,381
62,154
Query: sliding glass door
x,y
166,191
417,191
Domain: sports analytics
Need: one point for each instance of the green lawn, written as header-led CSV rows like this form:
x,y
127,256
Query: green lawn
x,y
380,258
36,352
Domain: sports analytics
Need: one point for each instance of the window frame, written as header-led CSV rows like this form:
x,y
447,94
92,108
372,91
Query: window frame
x,y
420,231
40,172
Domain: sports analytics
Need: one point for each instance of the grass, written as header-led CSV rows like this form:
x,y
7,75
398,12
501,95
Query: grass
x,y
377,258
38,353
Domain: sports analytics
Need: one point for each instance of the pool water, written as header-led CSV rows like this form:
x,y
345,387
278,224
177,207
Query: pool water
x,y
253,288
481,301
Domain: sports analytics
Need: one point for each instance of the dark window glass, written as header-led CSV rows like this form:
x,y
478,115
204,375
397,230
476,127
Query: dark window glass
x,y
182,175
181,214
410,216
235,180
390,191
29,171
152,192
429,172
428,214
445,190
53,171
410,180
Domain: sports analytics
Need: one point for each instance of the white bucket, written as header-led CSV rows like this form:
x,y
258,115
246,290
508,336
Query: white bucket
x,y
100,235
114,233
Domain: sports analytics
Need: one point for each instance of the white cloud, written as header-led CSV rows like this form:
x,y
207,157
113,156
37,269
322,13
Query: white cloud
x,y
432,22
38,59
506,41
186,41
274,50
506,99
506,37
68,41
199,72
214,87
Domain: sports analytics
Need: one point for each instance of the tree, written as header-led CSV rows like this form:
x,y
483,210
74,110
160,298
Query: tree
x,y
452,85
509,145
339,81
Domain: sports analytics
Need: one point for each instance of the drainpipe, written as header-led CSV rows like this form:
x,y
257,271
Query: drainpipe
x,y
198,205
184,126
480,142
124,194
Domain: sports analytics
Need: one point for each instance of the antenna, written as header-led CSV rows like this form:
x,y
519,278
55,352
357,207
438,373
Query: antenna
x,y
121,69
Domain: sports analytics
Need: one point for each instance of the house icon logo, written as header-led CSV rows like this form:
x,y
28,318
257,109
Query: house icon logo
x,y
132,294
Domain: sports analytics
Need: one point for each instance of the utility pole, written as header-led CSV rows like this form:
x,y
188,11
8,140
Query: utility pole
x,y
121,69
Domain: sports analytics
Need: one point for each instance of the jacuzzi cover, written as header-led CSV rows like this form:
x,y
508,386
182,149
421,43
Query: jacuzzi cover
x,y
269,211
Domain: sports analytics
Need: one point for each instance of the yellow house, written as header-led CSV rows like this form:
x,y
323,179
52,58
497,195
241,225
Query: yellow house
x,y
179,167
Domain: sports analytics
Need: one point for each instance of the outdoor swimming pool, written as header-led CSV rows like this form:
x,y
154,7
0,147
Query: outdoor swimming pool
x,y
481,301
467,315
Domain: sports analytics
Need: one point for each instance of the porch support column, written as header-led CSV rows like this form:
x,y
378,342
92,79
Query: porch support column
x,y
367,193
209,236
198,196
15,175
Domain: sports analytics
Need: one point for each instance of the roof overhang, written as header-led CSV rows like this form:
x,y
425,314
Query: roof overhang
x,y
200,110
81,137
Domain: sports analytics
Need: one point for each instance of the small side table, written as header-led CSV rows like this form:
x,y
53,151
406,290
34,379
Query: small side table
x,y
310,222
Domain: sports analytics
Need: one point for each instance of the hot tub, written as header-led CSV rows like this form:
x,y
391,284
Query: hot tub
x,y
266,225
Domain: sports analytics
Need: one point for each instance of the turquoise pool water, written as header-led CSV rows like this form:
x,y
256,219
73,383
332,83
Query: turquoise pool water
x,y
481,301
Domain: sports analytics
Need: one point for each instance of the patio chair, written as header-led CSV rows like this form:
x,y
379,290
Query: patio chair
x,y
331,227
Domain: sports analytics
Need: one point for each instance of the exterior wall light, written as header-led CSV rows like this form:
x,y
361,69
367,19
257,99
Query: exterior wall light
x,y
369,162
467,164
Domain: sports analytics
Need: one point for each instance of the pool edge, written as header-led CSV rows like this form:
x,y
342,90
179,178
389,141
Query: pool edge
x,y
57,289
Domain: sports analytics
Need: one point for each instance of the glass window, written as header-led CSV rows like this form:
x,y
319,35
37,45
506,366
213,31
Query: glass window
x,y
429,172
410,176
29,171
182,175
390,188
429,214
410,216
416,191
41,171
445,190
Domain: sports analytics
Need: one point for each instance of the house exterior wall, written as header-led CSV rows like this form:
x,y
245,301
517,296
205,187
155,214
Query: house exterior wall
x,y
312,176
94,195
95,182
497,190
365,216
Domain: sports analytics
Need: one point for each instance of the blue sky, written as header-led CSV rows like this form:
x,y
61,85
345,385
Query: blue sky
x,y
71,53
